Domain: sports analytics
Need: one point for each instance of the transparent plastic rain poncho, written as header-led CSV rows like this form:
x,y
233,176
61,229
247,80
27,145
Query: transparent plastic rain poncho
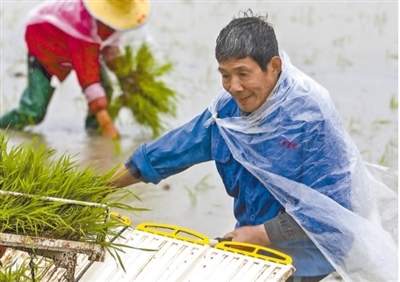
x,y
73,18
359,240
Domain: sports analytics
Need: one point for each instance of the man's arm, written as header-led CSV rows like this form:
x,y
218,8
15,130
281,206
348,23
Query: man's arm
x,y
281,228
124,177
172,153
284,228
255,234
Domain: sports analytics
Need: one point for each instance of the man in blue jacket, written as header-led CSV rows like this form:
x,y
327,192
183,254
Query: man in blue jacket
x,y
271,129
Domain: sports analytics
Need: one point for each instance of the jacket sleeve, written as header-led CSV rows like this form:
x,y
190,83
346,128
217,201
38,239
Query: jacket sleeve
x,y
174,152
284,228
86,63
85,60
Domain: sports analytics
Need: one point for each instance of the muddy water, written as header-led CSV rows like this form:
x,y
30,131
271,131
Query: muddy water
x,y
349,48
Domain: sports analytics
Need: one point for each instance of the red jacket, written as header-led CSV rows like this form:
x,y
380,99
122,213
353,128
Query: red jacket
x,y
60,53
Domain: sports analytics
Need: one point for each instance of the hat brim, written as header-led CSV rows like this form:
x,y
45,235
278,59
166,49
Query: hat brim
x,y
109,15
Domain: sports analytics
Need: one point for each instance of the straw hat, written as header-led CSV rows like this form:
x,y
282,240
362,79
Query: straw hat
x,y
119,14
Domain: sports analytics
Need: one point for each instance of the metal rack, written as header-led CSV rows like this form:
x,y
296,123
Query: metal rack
x,y
155,252
63,253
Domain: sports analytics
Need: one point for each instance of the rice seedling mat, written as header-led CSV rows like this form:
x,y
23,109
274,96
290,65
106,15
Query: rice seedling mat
x,y
62,252
161,252
55,210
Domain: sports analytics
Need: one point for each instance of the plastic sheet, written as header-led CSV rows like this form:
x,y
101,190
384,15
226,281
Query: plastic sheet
x,y
346,212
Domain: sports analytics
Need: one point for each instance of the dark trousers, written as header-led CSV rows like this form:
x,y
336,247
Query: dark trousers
x,y
37,95
34,101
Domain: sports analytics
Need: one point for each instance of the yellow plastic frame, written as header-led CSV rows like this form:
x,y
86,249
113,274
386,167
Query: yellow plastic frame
x,y
234,247
123,219
175,232
178,232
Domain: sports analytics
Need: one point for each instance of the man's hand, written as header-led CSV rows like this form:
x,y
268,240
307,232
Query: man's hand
x,y
250,234
123,177
107,127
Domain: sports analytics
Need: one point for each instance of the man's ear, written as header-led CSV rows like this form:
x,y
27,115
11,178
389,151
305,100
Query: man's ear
x,y
275,65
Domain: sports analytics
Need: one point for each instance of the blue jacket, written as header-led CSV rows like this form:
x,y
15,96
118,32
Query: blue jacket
x,y
194,143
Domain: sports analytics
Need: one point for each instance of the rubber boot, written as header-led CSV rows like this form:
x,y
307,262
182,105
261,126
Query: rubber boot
x,y
34,101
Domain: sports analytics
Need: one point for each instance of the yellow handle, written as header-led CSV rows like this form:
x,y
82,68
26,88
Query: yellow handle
x,y
174,231
121,218
255,251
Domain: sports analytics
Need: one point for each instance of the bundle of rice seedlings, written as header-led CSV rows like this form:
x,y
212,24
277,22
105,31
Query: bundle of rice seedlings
x,y
147,97
32,169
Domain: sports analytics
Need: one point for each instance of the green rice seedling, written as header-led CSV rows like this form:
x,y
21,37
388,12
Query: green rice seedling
x,y
201,186
14,272
34,171
143,93
394,104
381,121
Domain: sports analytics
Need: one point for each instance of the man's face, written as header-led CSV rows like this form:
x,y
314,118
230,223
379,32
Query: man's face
x,y
248,84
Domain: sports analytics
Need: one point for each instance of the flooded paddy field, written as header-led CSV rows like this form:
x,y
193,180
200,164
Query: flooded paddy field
x,y
350,48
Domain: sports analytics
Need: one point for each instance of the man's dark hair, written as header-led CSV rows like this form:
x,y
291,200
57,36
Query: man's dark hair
x,y
247,36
